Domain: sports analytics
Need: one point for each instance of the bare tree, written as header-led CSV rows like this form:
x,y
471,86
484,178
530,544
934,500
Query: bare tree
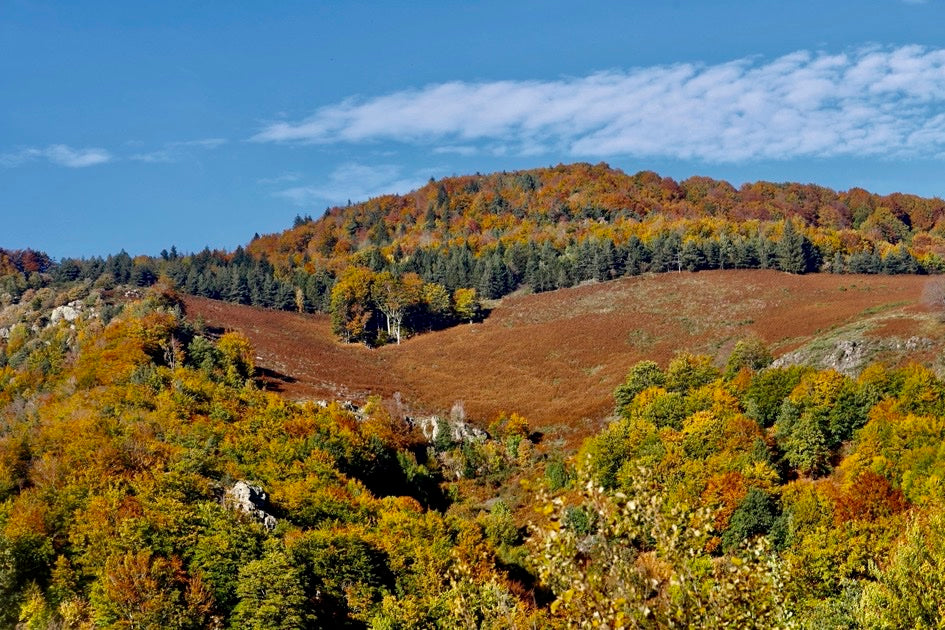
x,y
934,295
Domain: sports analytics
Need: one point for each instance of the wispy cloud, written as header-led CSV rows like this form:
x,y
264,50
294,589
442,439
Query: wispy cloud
x,y
176,151
60,154
458,149
865,102
285,178
353,181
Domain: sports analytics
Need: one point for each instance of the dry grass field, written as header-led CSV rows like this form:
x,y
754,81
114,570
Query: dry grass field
x,y
556,357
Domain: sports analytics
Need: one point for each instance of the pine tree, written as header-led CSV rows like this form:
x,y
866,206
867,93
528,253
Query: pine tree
x,y
794,253
635,256
238,290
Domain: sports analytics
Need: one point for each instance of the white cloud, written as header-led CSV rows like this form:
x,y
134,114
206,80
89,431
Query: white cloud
x,y
59,154
458,149
161,156
355,182
176,151
870,101
203,143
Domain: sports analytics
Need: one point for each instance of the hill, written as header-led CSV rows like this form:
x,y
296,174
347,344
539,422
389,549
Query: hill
x,y
576,202
186,462
390,267
556,357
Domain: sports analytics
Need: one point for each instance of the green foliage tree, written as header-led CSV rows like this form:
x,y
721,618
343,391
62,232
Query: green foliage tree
x,y
909,592
689,371
641,376
644,564
802,436
754,516
270,594
767,391
795,253
749,353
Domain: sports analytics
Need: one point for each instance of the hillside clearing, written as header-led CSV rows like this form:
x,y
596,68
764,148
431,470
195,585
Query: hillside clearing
x,y
556,357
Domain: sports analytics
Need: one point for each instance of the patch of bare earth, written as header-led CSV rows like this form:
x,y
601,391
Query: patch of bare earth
x,y
556,357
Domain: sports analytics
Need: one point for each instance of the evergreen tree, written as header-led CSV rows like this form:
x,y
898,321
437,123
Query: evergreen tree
x,y
120,267
490,285
584,265
429,219
192,282
636,257
285,297
746,254
605,260
68,270
765,251
794,251
666,252
565,273
238,290
692,257
205,285
865,262
899,261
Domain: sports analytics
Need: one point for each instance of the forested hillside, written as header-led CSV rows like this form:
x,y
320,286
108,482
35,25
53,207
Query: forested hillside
x,y
149,476
147,481
392,265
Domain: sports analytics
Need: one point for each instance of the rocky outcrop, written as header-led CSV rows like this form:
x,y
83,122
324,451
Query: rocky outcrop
x,y
251,500
68,313
850,356
460,431
71,312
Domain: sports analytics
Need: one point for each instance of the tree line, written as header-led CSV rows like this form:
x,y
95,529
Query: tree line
x,y
490,271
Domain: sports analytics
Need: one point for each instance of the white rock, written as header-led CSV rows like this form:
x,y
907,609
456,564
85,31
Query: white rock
x,y
252,500
66,313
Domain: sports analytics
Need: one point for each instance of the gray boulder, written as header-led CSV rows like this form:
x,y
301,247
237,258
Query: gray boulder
x,y
64,313
251,500
460,431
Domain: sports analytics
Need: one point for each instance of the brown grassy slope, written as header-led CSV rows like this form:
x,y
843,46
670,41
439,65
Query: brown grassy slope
x,y
556,357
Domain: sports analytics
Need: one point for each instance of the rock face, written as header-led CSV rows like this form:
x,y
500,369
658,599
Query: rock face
x,y
849,356
251,500
460,430
67,313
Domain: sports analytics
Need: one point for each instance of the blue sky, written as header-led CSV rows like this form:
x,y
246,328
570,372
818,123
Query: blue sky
x,y
142,125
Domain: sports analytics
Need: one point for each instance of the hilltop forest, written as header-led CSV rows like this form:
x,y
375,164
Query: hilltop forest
x,y
149,478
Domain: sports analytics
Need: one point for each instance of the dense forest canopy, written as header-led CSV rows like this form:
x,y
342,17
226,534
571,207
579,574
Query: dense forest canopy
x,y
741,495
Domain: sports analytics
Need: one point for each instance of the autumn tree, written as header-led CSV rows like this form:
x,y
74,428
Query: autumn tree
x,y
466,304
394,297
749,353
639,560
270,594
138,590
351,304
